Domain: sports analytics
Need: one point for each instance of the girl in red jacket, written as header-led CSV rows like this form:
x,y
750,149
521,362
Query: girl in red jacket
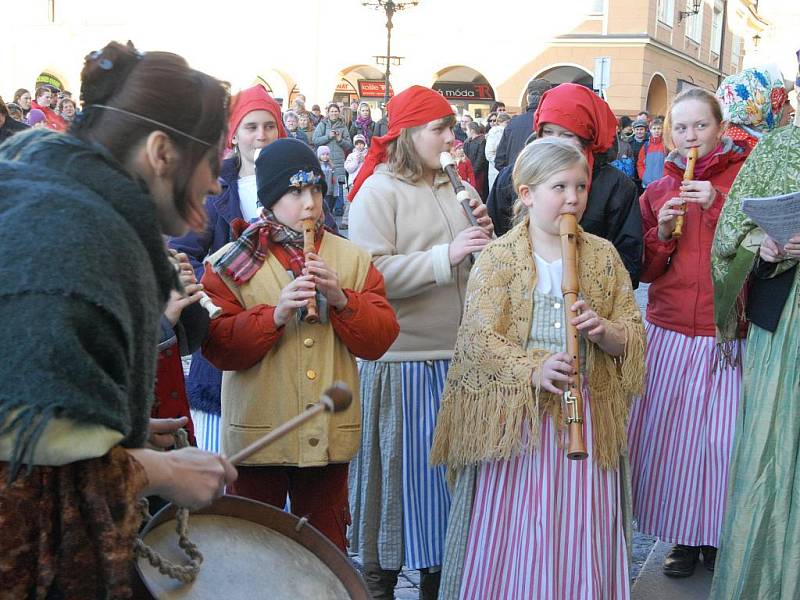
x,y
681,429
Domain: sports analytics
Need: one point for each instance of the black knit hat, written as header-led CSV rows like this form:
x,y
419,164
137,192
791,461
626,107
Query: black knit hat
x,y
284,164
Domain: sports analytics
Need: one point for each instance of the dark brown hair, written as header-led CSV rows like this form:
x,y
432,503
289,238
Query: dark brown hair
x,y
64,101
153,88
19,93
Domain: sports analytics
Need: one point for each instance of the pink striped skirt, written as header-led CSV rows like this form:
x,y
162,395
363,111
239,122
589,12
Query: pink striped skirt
x,y
680,436
545,527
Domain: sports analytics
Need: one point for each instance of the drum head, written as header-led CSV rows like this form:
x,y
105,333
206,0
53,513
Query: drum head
x,y
250,550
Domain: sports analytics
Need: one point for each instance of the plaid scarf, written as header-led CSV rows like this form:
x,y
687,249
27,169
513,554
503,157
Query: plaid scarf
x,y
251,249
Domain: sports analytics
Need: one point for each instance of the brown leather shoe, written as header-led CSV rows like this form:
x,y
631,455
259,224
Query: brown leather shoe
x,y
681,561
709,557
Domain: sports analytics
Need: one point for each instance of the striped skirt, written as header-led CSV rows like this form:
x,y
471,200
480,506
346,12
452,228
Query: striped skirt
x,y
399,503
546,527
680,436
206,430
426,499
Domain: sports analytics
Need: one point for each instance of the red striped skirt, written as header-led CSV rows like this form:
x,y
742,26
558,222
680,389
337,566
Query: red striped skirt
x,y
680,436
546,527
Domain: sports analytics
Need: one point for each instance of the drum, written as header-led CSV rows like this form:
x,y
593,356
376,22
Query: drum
x,y
250,550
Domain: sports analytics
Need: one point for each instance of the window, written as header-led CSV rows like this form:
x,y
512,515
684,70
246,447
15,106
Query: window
x,y
596,7
666,11
716,29
736,53
694,23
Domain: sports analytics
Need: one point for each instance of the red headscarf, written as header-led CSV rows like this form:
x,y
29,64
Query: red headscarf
x,y
581,111
246,101
413,107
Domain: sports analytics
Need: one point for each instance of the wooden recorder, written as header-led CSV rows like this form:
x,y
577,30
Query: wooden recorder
x,y
572,405
309,232
688,175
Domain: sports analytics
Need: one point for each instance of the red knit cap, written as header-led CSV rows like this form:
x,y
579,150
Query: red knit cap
x,y
581,111
413,107
246,101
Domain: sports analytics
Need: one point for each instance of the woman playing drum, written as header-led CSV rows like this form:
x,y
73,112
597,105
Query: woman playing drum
x,y
84,314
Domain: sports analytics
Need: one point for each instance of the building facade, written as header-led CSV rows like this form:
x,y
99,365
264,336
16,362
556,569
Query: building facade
x,y
642,51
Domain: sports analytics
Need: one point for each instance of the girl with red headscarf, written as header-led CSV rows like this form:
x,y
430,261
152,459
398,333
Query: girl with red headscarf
x,y
405,214
254,122
577,114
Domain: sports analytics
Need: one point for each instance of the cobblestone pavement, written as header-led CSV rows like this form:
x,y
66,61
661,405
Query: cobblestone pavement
x,y
408,582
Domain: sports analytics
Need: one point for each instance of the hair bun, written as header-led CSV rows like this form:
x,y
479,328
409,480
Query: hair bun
x,y
105,71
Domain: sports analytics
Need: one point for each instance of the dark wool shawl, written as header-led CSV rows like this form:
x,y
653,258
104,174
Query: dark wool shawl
x,y
84,281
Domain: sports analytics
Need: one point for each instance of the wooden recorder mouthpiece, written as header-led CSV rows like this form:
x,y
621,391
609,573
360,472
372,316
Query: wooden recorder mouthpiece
x,y
462,195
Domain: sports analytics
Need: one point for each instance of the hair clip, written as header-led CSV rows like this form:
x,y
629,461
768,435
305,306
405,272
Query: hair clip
x,y
302,178
104,63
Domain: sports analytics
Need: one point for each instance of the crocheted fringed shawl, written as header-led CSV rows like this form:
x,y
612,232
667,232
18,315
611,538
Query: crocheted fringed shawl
x,y
489,401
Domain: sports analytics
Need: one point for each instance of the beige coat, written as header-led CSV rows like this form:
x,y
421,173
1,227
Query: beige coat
x,y
407,228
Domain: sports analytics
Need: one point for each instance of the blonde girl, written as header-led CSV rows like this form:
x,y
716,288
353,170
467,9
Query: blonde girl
x,y
527,522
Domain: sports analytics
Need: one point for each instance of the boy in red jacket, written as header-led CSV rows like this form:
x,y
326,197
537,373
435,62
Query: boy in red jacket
x,y
275,362
650,162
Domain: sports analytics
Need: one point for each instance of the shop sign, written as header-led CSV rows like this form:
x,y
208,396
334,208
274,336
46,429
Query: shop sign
x,y
345,87
457,90
373,88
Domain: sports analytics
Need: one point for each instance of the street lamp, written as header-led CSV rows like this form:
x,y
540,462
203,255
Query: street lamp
x,y
389,7
693,10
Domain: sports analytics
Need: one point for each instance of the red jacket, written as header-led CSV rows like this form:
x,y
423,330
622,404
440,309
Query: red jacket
x,y
170,392
681,296
53,119
240,338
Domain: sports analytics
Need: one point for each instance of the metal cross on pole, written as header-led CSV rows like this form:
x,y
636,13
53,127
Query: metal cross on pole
x,y
389,7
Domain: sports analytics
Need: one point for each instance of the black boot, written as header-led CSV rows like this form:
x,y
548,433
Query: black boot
x,y
380,582
681,560
429,584
709,557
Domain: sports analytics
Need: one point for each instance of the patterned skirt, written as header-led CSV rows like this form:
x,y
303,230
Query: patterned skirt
x,y
544,526
760,547
399,504
680,436
68,532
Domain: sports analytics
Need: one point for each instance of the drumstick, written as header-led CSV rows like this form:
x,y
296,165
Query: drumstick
x,y
309,232
335,399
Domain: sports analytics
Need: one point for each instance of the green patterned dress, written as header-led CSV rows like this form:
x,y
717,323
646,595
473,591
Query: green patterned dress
x,y
759,555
